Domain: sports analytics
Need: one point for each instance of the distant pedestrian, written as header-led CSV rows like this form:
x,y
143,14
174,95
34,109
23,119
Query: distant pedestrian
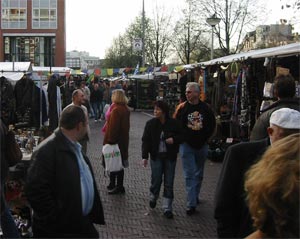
x,y
78,100
96,101
284,91
161,139
117,132
198,122
61,187
87,94
106,93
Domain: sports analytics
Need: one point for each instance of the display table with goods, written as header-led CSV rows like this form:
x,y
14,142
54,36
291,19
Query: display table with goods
x,y
28,139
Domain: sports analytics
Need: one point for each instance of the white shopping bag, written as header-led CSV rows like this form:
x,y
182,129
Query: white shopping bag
x,y
112,157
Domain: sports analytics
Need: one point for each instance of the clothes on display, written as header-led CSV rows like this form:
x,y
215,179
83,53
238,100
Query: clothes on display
x,y
8,101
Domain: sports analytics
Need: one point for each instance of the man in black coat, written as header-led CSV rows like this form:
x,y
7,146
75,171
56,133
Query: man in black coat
x,y
230,209
284,90
61,187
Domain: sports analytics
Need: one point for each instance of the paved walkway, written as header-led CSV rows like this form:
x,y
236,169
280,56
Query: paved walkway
x,y
129,216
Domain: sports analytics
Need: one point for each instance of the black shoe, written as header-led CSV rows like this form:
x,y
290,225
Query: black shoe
x,y
110,187
117,190
198,201
121,190
168,214
152,204
190,211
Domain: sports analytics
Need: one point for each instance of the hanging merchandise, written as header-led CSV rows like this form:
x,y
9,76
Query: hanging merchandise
x,y
234,128
235,69
268,90
244,119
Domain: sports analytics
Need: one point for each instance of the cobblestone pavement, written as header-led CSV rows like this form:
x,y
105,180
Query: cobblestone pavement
x,y
129,216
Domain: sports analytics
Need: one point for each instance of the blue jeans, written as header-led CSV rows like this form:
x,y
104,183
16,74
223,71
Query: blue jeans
x,y
193,161
97,108
9,228
163,169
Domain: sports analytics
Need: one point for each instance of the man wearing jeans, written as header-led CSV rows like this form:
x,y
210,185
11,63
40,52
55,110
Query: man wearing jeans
x,y
198,122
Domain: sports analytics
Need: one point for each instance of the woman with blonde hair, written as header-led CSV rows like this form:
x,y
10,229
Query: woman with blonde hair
x,y
117,132
272,187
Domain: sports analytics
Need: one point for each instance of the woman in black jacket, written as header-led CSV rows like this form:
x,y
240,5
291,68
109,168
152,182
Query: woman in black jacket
x,y
161,139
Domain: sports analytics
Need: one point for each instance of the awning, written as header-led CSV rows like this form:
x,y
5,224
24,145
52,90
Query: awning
x,y
56,70
279,51
14,70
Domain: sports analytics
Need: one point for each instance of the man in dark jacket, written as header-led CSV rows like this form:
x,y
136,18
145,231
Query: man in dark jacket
x,y
8,226
198,122
284,90
61,187
231,212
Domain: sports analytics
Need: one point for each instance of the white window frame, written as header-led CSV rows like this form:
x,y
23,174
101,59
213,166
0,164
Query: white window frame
x,y
6,19
48,23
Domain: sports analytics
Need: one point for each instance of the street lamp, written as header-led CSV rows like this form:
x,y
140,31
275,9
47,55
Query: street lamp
x,y
212,21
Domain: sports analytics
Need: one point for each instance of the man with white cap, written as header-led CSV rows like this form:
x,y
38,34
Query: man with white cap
x,y
283,122
230,209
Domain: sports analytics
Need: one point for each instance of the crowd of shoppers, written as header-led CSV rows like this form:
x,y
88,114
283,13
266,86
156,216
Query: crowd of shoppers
x,y
62,191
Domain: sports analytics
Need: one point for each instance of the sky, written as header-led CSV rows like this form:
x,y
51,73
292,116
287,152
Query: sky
x,y
91,25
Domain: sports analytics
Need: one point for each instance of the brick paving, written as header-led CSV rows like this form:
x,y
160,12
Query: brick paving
x,y
129,216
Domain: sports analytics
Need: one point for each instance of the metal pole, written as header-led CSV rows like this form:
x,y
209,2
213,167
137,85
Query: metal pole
x,y
212,43
143,37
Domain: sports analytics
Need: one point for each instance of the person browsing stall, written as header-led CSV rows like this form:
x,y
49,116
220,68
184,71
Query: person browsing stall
x,y
230,210
284,91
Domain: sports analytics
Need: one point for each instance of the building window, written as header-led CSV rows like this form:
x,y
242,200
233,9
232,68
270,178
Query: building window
x,y
14,14
40,51
44,14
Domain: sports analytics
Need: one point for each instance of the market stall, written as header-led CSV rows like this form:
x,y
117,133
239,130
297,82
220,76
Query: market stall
x,y
148,87
14,71
238,86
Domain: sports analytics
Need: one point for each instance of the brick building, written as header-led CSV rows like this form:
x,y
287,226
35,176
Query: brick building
x,y
33,30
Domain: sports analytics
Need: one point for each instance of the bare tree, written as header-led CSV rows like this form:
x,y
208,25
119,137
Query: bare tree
x,y
237,17
188,32
159,36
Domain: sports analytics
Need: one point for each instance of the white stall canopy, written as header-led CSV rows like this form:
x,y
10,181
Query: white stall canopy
x,y
279,51
148,76
62,71
14,70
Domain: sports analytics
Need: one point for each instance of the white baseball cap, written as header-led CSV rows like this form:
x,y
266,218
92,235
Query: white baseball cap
x,y
286,118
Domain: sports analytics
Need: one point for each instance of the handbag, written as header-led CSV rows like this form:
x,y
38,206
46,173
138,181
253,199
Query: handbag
x,y
112,157
13,153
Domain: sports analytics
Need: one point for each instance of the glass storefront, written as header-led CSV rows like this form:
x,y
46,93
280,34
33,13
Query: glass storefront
x,y
39,51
